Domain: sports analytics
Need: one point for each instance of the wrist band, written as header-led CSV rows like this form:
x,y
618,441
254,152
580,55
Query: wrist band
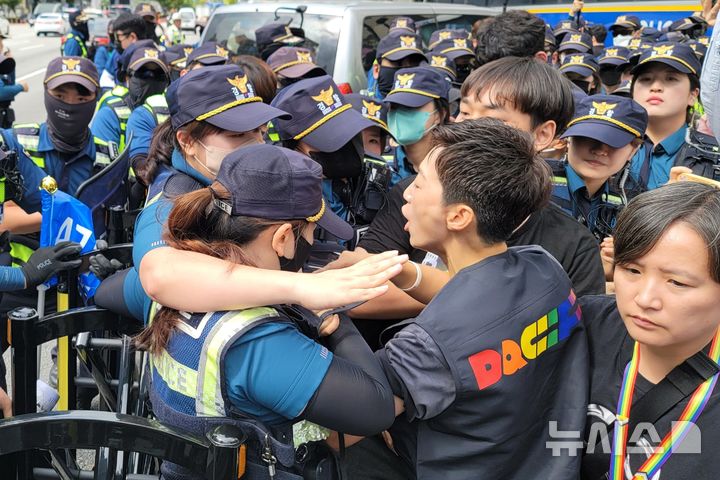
x,y
418,278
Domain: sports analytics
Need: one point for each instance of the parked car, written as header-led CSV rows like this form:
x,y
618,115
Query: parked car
x,y
188,19
344,35
50,23
41,8
4,26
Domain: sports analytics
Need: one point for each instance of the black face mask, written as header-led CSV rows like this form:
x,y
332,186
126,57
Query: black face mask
x,y
610,77
343,163
386,80
582,85
302,253
83,29
462,73
68,123
139,89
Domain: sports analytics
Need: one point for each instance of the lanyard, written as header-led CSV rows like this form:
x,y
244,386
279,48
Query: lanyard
x,y
677,434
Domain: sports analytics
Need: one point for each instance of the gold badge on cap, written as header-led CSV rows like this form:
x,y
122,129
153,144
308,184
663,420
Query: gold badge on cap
x,y
576,60
147,8
70,65
663,50
241,88
408,41
371,109
438,61
304,57
404,81
401,23
704,40
460,43
565,25
575,38
603,108
611,52
445,35
149,53
635,43
621,19
327,100
220,51
187,50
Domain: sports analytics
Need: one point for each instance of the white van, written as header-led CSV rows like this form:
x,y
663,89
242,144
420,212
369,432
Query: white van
x,y
344,36
188,20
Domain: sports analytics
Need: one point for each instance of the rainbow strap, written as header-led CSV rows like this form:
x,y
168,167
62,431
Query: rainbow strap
x,y
677,434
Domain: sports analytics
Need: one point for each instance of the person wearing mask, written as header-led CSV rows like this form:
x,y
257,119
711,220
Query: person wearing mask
x,y
398,49
582,70
375,138
625,28
603,136
105,60
647,366
8,90
614,63
370,62
175,35
75,40
153,31
460,52
665,82
339,386
146,75
272,36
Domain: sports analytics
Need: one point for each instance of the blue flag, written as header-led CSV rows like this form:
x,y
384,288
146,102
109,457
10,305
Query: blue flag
x,y
65,218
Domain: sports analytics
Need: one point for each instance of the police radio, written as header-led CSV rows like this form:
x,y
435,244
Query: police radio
x,y
372,187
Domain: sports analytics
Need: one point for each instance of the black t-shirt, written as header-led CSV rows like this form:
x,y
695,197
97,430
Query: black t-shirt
x,y
562,236
610,348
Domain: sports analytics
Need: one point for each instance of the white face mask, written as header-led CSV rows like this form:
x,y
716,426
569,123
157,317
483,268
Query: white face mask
x,y
214,157
622,40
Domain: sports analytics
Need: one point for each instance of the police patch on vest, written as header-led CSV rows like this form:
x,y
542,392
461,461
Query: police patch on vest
x,y
328,100
489,366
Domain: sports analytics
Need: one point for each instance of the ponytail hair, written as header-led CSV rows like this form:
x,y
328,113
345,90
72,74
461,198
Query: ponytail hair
x,y
195,224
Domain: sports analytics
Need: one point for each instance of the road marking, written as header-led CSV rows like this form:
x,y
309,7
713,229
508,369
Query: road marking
x,y
31,74
31,47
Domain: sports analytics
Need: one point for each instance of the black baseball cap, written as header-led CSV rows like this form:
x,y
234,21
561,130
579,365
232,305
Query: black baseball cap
x,y
415,87
145,56
627,21
295,62
208,54
582,63
221,95
579,42
610,119
321,116
278,32
678,56
62,70
454,48
399,44
370,108
271,182
402,23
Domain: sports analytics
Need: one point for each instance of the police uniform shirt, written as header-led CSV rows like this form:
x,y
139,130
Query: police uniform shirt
x,y
563,237
610,349
140,127
662,159
481,385
106,125
69,170
584,208
72,47
8,88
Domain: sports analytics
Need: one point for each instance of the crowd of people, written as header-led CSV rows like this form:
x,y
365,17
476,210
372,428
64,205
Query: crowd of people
x,y
500,261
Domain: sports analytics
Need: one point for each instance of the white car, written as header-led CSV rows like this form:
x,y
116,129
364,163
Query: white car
x,y
50,23
188,20
4,27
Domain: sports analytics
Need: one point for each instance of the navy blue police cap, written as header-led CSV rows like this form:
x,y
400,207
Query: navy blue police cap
x,y
399,44
321,116
579,42
278,32
403,23
124,60
221,95
454,48
610,119
415,87
627,21
447,34
294,62
370,108
650,34
550,40
176,55
616,56
678,56
699,49
208,54
143,57
682,25
581,63
444,63
564,27
272,182
62,70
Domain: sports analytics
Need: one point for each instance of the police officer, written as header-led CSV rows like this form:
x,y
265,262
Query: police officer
x,y
375,138
582,70
75,40
175,35
272,36
291,64
8,90
176,56
460,52
625,28
150,16
615,68
105,60
147,75
604,134
398,49
370,62
206,55
447,34
575,43
263,206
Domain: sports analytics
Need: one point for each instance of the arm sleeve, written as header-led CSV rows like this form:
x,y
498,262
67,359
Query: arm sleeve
x,y
11,279
8,92
106,126
418,373
275,367
101,56
355,396
130,303
140,126
149,230
710,83
586,271
387,230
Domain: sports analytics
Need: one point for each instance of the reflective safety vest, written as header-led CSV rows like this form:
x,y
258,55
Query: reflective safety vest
x,y
157,105
28,136
191,367
103,155
272,133
81,42
116,91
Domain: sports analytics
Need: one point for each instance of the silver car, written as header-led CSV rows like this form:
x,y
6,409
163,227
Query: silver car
x,y
344,35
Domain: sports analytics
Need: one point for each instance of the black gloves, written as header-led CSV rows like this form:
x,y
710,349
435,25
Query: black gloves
x,y
48,261
102,267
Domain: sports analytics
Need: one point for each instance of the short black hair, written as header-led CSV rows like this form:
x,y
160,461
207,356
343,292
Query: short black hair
x,y
598,32
515,33
535,88
648,216
128,23
492,168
